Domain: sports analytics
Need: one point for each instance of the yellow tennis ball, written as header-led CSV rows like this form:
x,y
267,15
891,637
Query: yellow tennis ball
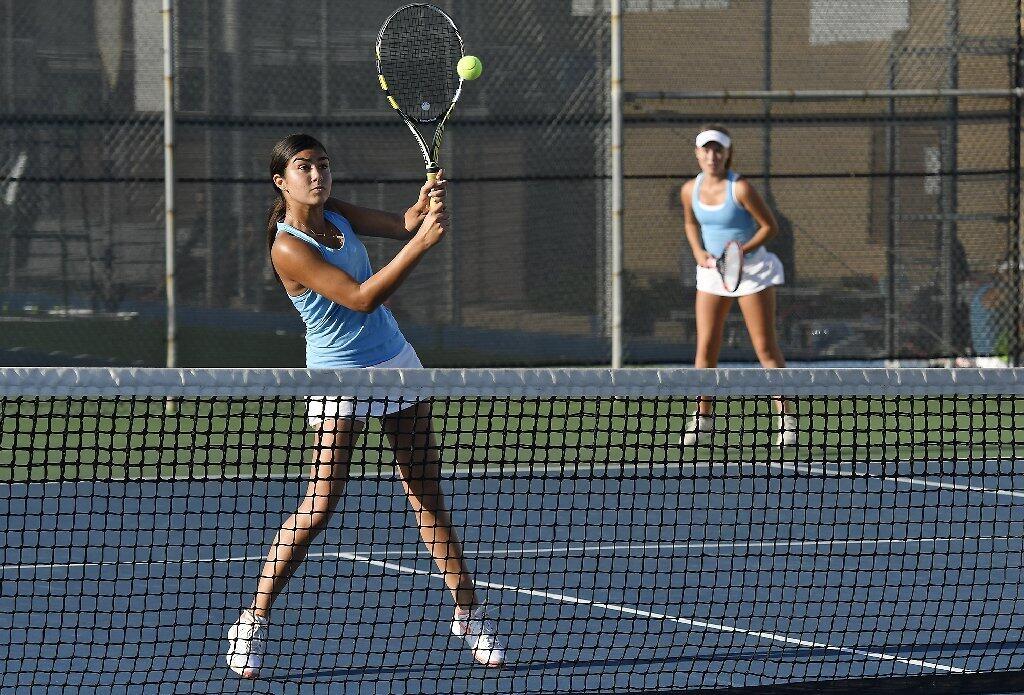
x,y
470,68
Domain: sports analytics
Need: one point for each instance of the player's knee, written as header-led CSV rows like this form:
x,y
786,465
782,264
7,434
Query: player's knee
x,y
313,516
417,457
316,509
765,349
707,349
420,472
333,453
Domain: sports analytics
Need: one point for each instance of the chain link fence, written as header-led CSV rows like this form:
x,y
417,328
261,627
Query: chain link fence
x,y
520,279
899,215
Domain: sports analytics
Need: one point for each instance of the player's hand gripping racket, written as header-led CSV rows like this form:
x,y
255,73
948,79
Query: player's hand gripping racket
x,y
730,266
418,51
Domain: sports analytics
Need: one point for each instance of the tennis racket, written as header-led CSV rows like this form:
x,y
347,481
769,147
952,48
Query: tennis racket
x,y
730,266
418,51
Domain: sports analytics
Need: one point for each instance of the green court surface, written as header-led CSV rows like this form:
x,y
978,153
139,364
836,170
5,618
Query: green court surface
x,y
135,438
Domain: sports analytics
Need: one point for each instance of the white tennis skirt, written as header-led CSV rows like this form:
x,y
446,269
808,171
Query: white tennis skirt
x,y
320,408
761,269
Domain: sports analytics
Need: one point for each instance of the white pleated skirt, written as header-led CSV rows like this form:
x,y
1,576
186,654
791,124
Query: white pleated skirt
x,y
320,408
761,269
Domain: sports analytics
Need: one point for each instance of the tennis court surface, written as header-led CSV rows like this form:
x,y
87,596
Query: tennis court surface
x,y
883,551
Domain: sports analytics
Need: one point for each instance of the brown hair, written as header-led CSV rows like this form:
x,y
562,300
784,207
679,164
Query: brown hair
x,y
282,153
721,129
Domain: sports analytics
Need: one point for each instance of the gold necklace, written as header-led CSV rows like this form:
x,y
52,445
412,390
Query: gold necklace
x,y
331,236
302,227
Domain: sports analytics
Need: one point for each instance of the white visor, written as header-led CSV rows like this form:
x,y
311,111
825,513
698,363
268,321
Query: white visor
x,y
714,136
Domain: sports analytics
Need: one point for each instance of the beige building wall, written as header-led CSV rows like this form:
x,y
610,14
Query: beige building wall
x,y
837,218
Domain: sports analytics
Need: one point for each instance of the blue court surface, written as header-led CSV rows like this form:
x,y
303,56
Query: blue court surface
x,y
612,578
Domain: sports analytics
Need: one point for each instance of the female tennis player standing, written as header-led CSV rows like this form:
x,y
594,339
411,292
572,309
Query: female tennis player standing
x,y
325,270
720,207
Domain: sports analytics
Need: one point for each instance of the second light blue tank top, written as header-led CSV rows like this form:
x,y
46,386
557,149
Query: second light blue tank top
x,y
720,224
336,336
983,330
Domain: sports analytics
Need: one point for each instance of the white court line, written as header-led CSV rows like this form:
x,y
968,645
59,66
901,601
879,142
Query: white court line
x,y
783,545
387,472
914,482
135,563
525,552
626,610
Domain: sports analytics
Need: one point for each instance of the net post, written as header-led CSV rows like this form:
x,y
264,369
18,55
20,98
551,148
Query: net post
x,y
617,183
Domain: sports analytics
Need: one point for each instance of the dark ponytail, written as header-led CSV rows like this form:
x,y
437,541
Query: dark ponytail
x,y
279,157
275,215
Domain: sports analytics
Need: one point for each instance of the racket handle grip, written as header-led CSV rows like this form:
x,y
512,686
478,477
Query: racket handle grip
x,y
431,177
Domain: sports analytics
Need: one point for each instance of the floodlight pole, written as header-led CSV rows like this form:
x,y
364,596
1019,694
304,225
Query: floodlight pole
x,y
949,203
167,14
1017,313
9,55
766,128
617,185
891,232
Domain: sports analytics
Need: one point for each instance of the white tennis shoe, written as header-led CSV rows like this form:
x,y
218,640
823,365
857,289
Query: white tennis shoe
x,y
480,633
247,642
787,430
699,430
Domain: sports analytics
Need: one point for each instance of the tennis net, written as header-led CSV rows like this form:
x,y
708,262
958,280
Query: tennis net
x,y
883,548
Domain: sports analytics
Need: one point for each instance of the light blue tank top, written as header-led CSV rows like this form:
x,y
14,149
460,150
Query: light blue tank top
x,y
720,224
983,331
336,336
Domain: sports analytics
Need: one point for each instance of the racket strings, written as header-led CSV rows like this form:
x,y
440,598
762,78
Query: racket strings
x,y
730,266
419,53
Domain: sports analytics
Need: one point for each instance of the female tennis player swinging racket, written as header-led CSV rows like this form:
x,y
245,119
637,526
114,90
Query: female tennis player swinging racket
x,y
325,270
721,207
